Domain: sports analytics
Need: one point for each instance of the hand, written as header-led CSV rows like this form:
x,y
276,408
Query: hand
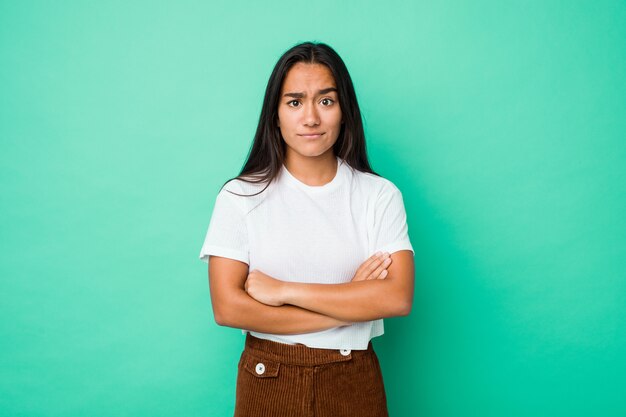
x,y
264,289
375,267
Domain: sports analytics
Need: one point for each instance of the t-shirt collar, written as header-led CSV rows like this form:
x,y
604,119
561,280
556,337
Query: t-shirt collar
x,y
334,183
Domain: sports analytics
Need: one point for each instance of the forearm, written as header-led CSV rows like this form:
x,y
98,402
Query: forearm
x,y
352,301
243,312
366,297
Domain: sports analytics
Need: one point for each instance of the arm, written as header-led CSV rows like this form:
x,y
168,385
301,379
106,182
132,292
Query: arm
x,y
233,307
351,302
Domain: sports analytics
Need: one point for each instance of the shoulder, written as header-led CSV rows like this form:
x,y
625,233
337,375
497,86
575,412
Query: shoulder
x,y
375,185
243,193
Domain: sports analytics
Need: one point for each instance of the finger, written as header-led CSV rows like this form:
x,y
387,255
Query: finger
x,y
365,268
385,271
375,274
374,266
370,260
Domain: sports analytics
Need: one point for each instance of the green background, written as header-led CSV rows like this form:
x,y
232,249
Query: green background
x,y
503,124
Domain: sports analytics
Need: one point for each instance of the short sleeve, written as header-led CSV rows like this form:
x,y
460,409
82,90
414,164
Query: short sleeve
x,y
227,234
390,229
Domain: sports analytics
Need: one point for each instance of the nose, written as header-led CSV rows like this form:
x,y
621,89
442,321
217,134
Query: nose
x,y
311,115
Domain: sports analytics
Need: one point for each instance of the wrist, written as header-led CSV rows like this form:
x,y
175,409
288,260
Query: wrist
x,y
286,292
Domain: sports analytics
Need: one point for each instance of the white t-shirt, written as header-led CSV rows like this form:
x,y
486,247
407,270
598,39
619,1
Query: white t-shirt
x,y
312,234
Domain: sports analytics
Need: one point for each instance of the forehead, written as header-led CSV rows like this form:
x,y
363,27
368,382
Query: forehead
x,y
308,76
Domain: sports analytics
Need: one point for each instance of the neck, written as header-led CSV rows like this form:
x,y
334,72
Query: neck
x,y
313,171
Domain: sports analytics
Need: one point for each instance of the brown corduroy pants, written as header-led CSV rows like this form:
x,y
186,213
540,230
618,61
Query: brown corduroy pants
x,y
281,380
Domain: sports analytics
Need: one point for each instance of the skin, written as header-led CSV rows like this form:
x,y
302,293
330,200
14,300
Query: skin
x,y
304,110
234,307
383,284
388,296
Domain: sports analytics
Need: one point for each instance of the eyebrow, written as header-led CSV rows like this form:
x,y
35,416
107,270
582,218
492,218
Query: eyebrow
x,y
300,95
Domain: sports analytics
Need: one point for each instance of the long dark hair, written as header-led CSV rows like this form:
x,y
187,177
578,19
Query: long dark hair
x,y
267,154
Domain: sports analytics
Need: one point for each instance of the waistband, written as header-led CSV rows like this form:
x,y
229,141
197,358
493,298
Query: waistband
x,y
299,354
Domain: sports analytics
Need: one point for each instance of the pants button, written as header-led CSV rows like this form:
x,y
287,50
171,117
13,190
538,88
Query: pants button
x,y
260,368
345,352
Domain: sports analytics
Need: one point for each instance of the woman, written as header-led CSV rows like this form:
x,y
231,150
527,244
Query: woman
x,y
308,249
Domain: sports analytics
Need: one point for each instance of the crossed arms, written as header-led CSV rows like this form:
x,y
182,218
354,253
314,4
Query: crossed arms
x,y
255,301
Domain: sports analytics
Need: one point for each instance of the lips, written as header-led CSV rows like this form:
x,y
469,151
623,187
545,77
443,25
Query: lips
x,y
312,135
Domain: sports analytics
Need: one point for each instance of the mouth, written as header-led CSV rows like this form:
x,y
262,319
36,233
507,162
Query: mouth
x,y
312,135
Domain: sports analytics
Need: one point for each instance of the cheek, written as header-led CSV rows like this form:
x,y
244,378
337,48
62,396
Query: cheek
x,y
284,121
336,119
336,113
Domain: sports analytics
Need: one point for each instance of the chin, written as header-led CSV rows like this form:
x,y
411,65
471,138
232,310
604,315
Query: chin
x,y
313,153
310,151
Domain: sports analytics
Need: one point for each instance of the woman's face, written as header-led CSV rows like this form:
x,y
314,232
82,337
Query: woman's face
x,y
309,116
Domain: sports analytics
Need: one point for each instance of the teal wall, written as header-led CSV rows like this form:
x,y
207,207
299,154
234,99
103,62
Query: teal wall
x,y
503,123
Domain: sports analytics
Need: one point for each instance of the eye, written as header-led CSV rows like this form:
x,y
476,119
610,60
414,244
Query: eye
x,y
331,101
292,101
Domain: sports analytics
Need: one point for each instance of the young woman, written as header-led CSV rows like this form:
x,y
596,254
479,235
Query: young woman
x,y
308,249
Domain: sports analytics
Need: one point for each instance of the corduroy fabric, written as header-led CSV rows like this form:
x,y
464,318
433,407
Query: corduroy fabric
x,y
280,380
